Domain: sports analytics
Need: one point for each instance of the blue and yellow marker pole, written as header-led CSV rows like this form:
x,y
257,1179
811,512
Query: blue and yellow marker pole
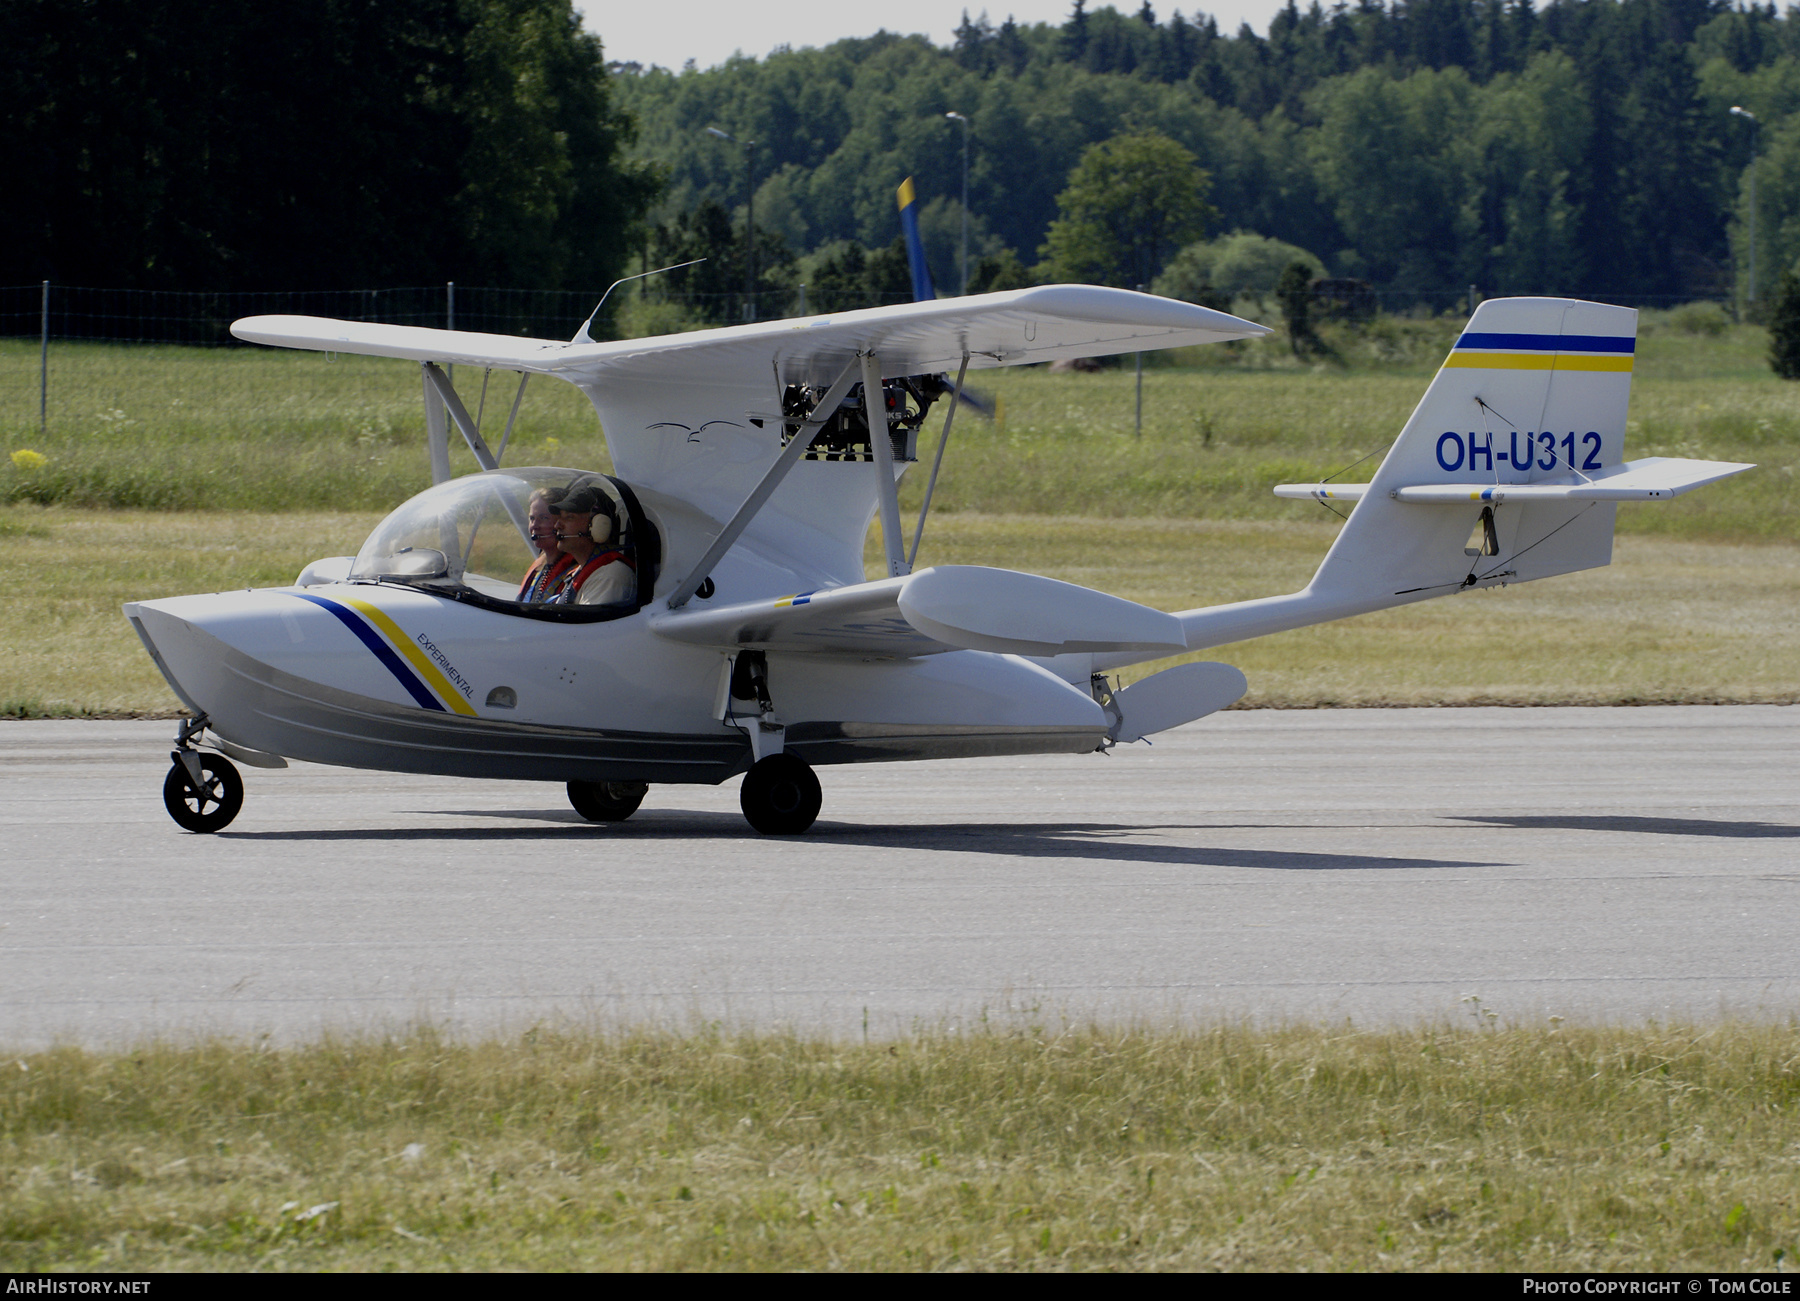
x,y
915,244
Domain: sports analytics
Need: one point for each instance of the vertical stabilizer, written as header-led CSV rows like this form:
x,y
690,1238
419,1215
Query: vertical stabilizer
x,y
1535,389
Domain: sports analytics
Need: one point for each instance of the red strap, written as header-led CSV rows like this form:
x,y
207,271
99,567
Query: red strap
x,y
532,575
594,562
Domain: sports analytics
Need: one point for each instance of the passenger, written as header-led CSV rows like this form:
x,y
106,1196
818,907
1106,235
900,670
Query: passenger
x,y
587,528
545,576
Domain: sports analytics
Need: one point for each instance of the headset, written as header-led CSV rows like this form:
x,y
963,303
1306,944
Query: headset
x,y
604,526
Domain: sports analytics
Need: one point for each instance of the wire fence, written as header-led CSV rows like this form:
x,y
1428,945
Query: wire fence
x,y
49,381
48,311
167,316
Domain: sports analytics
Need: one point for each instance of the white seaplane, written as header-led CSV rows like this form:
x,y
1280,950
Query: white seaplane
x,y
745,637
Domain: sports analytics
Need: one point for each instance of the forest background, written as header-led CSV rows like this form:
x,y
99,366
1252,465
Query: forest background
x,y
1582,147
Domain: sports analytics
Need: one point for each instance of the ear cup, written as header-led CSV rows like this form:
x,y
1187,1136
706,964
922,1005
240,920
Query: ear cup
x,y
602,527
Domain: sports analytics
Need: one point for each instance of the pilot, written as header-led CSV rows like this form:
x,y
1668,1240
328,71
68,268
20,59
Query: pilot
x,y
544,578
587,529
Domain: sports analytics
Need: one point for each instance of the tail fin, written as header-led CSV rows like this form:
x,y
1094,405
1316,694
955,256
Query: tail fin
x,y
1510,469
1535,390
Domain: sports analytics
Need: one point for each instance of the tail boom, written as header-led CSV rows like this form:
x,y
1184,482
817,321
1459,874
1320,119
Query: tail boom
x,y
1516,447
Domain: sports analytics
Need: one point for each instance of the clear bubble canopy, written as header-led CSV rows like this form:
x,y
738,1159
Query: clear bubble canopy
x,y
471,534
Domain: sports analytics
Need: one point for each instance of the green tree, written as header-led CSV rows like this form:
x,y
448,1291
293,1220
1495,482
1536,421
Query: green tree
x,y
1242,262
1002,271
853,277
208,145
1393,156
1784,328
1532,132
1131,202
714,290
548,196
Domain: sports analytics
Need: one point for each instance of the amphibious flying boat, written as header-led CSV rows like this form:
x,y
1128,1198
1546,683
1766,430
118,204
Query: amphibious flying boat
x,y
748,465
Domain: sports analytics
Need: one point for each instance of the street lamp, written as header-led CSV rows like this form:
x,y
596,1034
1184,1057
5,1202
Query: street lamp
x,y
1754,132
749,221
958,117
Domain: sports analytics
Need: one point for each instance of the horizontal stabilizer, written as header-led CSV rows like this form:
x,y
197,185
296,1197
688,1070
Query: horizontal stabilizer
x,y
1653,478
951,607
1322,491
1176,696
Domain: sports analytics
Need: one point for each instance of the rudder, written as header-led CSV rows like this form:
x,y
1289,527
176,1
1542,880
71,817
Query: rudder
x,y
1534,389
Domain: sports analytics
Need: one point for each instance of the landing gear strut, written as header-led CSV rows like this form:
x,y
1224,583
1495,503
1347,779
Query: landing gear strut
x,y
202,792
607,801
780,795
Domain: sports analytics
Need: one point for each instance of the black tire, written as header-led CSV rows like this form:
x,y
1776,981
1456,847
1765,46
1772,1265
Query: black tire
x,y
780,795
210,808
607,801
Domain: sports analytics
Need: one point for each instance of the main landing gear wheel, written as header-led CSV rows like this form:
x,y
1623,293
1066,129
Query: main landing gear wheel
x,y
780,795
607,801
212,804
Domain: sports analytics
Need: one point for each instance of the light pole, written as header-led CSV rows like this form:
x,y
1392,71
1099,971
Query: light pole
x,y
1754,132
958,117
749,221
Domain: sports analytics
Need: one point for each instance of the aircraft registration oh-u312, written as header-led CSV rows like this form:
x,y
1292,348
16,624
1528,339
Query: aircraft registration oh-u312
x,y
712,616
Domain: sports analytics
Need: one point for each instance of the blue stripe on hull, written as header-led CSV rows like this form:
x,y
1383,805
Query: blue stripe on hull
x,y
383,652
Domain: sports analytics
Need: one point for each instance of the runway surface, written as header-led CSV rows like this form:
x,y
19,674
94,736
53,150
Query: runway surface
x,y
1379,865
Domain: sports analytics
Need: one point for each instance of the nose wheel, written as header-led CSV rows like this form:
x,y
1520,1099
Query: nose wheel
x,y
202,792
780,795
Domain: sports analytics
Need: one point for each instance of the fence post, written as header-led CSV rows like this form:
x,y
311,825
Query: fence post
x,y
450,313
44,363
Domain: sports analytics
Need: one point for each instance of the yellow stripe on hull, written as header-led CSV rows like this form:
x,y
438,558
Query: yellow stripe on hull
x,y
416,657
1533,361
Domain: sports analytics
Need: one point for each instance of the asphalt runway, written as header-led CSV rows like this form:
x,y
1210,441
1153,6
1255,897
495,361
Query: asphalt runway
x,y
1384,866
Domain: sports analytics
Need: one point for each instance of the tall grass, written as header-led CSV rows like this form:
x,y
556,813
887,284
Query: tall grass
x,y
1668,621
167,428
1474,1148
184,429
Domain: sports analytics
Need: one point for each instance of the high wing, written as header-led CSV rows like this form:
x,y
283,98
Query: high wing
x,y
699,417
1019,326
945,608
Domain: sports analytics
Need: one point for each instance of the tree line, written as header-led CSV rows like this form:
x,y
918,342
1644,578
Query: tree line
x,y
316,144
1584,146
1580,146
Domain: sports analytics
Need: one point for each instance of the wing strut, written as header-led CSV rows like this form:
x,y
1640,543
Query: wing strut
x,y
446,391
887,489
507,436
790,456
437,434
440,396
938,460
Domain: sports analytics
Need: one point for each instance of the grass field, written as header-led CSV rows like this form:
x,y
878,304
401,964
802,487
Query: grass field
x,y
180,428
1669,620
1449,1148
168,470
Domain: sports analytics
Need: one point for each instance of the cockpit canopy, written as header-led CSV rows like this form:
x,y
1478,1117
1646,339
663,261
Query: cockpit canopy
x,y
470,537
